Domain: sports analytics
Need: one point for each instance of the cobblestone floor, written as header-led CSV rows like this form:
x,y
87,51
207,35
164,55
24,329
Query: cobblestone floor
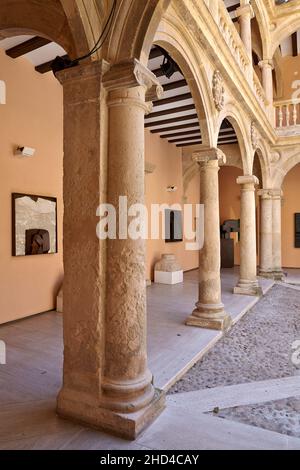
x,y
281,416
257,348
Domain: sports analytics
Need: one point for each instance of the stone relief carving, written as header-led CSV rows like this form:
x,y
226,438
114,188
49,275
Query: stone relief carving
x,y
254,136
275,157
218,90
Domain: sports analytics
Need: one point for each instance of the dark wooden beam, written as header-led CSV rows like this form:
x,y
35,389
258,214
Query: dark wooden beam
x,y
154,53
199,142
187,139
27,46
233,7
179,134
171,121
295,44
165,112
46,67
158,72
174,128
174,85
227,143
173,99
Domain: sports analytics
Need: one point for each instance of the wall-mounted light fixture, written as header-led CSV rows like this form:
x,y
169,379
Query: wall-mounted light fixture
x,y
172,189
25,151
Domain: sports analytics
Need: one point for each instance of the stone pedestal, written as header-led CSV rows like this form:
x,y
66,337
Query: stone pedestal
x,y
168,270
107,383
248,282
266,233
209,311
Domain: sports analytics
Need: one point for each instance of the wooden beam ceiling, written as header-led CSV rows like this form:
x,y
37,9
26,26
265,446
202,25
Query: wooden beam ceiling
x,y
165,112
27,46
172,120
173,99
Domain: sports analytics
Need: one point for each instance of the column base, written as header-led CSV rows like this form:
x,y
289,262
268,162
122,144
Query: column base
x,y
82,409
278,275
209,316
248,288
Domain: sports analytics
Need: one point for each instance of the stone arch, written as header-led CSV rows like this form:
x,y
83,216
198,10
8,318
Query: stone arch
x,y
171,37
231,113
19,17
281,171
134,28
287,28
263,26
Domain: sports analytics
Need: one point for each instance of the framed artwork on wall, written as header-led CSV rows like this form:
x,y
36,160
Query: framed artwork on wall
x,y
34,225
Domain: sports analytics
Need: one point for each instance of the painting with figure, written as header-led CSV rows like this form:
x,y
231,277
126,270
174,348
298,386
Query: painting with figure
x,y
34,225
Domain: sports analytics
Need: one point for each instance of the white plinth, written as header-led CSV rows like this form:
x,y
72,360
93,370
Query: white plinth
x,y
164,277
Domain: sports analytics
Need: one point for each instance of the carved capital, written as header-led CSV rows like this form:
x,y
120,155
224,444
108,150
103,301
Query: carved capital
x,y
207,155
218,90
265,193
247,180
83,72
266,63
245,10
276,194
131,74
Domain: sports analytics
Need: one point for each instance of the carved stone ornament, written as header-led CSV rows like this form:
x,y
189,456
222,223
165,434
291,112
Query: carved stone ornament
x,y
275,157
254,136
218,90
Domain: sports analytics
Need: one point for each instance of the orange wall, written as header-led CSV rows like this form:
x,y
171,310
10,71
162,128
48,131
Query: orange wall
x,y
168,172
291,204
290,67
31,117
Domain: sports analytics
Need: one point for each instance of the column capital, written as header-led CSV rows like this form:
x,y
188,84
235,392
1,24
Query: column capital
x,y
130,74
266,63
277,193
245,10
247,179
270,193
209,154
83,71
265,193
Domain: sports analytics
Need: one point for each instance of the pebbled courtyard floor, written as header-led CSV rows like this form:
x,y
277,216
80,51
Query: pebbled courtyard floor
x,y
258,348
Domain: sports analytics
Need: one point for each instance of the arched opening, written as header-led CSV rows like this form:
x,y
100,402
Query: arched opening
x,y
230,195
176,124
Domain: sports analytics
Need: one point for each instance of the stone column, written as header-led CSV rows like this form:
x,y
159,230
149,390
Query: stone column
x,y
277,263
209,312
267,79
127,381
266,233
245,14
248,283
107,383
